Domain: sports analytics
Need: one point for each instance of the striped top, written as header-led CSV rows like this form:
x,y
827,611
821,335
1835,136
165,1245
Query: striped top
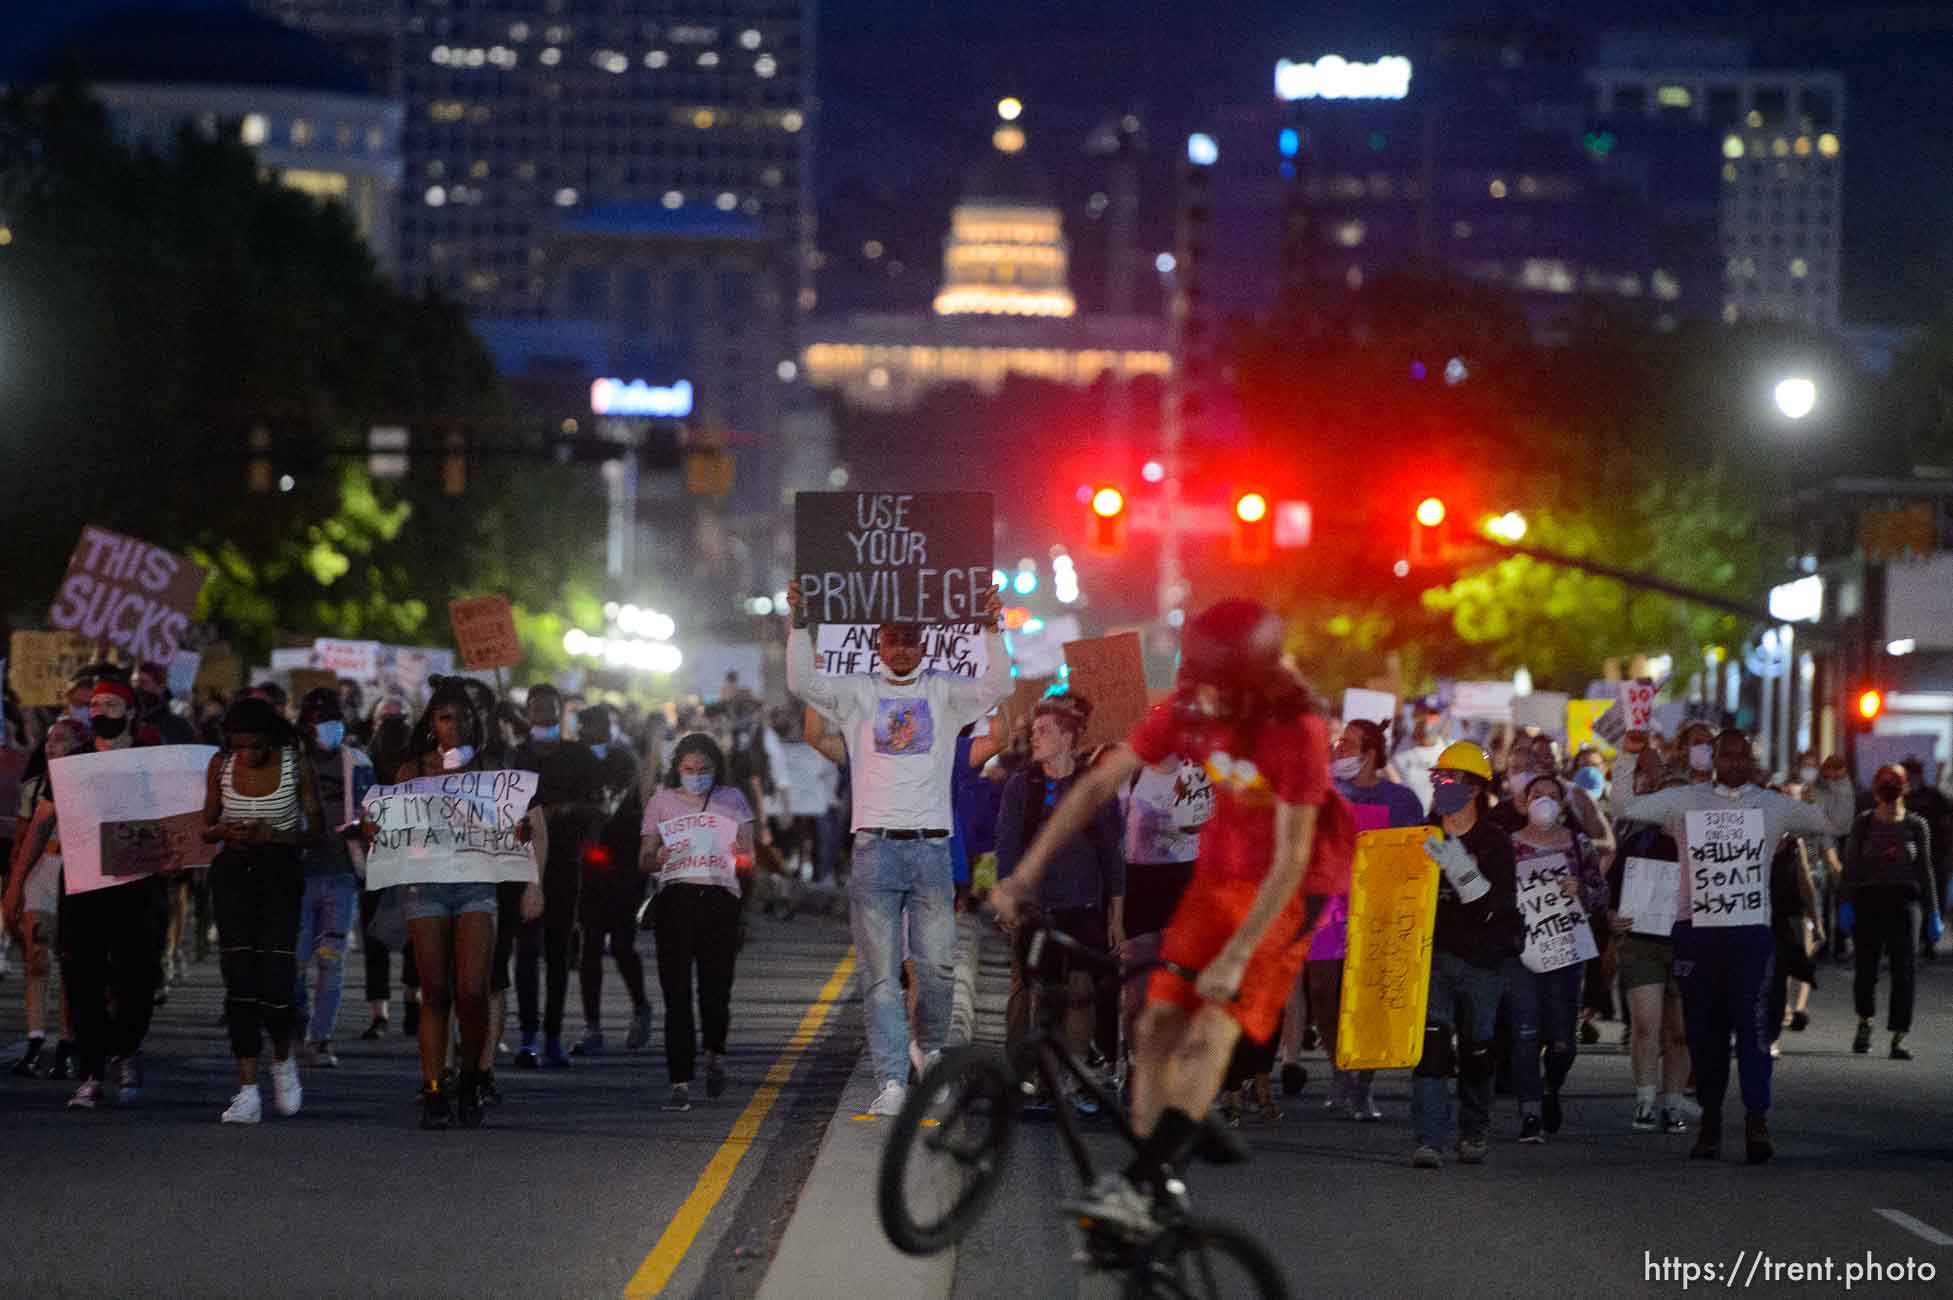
x,y
279,808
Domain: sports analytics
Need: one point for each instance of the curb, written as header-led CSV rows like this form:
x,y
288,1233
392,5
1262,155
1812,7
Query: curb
x,y
834,1248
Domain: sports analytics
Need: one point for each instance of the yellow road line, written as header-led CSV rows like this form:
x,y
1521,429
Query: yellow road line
x,y
663,1261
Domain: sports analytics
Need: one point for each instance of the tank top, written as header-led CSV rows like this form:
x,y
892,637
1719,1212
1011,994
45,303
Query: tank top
x,y
279,808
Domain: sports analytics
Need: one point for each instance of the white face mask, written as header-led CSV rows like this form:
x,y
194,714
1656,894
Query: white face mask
x,y
453,760
1543,812
1808,775
1348,768
1701,758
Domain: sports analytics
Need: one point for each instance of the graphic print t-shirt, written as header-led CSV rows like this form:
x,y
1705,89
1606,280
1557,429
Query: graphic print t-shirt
x,y
1251,770
1165,811
702,835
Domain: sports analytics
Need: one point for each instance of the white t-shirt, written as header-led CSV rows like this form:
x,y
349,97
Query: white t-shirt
x,y
901,737
1164,811
702,835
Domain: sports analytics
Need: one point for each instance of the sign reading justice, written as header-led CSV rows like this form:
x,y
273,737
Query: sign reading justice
x,y
893,557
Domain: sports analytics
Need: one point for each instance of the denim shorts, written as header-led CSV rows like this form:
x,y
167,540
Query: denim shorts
x,y
443,900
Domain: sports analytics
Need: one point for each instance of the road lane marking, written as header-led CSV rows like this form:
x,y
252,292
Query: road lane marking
x,y
665,1257
1916,1227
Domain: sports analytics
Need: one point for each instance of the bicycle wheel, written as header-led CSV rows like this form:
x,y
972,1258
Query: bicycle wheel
x,y
1199,1259
945,1157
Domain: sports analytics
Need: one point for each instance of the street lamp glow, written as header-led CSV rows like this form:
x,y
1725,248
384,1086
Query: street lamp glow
x,y
1010,108
1430,512
1796,397
1508,527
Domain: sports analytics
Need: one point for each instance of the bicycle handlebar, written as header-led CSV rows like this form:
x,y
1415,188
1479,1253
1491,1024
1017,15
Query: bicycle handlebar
x,y
1105,962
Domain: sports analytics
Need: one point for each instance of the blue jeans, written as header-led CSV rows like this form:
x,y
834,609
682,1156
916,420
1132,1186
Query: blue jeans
x,y
1545,1011
896,886
1725,974
325,915
1465,999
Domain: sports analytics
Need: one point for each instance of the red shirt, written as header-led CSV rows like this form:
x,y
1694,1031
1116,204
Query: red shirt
x,y
1286,762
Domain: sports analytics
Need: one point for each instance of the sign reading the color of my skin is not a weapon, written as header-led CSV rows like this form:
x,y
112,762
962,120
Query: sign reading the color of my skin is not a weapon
x,y
1110,671
126,813
1729,867
1393,902
893,557
136,597
484,629
1557,933
460,827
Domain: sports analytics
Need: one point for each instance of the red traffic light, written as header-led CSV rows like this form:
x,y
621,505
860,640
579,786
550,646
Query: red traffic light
x,y
1430,512
1871,703
1251,507
1107,502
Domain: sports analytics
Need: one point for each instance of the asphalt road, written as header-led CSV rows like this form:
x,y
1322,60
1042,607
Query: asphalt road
x,y
1595,1211
566,1192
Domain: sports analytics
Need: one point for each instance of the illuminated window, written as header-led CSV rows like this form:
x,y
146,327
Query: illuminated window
x,y
1664,286
749,39
1780,147
1799,268
772,176
519,32
1353,277
765,65
1729,172
1827,144
551,57
674,199
525,171
872,249
1461,230
1803,146
704,119
1350,233
656,58
436,196
1498,189
709,59
1674,97
320,185
1755,119
254,129
727,201
791,120
343,136
1732,146
566,197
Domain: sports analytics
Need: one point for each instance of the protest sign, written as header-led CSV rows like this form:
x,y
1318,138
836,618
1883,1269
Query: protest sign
x,y
358,660
843,650
1038,648
136,597
1873,752
702,848
307,680
1545,710
1581,715
1649,890
126,786
484,629
1110,671
1490,701
901,557
1557,932
149,845
1729,867
1638,704
1393,905
219,669
183,667
40,664
1024,697
286,658
407,668
1379,707
458,827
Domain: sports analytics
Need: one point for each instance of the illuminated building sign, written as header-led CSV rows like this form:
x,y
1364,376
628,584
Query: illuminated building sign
x,y
1334,77
616,397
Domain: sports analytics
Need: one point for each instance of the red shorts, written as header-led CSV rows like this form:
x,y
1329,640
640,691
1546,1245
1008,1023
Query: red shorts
x,y
1209,915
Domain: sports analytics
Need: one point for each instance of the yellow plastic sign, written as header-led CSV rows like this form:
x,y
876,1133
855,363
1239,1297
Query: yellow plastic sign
x,y
1580,718
1393,907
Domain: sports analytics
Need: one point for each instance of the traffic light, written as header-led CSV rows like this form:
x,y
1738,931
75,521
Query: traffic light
x,y
454,464
258,476
1106,529
1253,528
1428,540
1869,705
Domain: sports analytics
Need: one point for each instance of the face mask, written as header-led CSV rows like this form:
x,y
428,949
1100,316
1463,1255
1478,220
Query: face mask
x,y
1701,758
107,728
331,734
1347,769
546,734
699,783
81,714
453,760
1543,812
601,750
1590,780
1808,775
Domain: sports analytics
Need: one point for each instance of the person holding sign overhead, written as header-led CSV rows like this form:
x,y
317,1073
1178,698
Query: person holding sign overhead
x,y
900,730
1725,951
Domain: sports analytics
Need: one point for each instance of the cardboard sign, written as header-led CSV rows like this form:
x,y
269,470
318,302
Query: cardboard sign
x,y
137,597
458,827
307,680
359,660
843,650
219,670
1379,707
1650,888
1638,704
1024,697
1557,931
1729,867
1393,908
1490,701
903,557
1545,710
143,848
1110,671
484,628
39,665
124,786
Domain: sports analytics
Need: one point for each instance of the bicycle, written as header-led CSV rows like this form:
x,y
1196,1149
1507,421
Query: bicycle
x,y
956,1128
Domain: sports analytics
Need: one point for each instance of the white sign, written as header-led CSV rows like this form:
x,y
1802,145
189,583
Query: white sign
x,y
1638,703
359,660
1729,867
183,672
1874,752
1545,710
844,649
1042,653
1557,932
1491,701
1801,601
635,397
121,786
1379,707
411,666
1334,77
1649,889
1919,602
458,828
291,657
702,848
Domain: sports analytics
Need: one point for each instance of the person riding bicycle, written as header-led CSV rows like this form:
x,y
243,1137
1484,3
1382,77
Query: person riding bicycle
x,y
1277,848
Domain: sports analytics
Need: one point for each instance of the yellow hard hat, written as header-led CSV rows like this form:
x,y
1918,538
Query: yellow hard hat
x,y
1463,756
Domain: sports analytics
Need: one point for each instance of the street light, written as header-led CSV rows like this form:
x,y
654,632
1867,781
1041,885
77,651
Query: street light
x,y
1796,397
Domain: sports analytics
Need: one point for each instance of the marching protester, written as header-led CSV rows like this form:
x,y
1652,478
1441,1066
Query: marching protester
x,y
32,906
332,866
1658,1054
697,838
1727,829
1165,806
263,806
1793,902
391,736
1416,757
900,729
1888,876
611,889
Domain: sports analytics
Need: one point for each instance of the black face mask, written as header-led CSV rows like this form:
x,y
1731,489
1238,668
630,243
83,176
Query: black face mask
x,y
107,728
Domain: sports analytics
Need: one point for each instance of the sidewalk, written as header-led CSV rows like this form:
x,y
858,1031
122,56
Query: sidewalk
x,y
834,1247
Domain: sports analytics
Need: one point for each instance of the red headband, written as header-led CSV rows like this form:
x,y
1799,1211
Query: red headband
x,y
116,689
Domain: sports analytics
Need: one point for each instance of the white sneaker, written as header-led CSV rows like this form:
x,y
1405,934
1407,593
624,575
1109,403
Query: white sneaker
x,y
1114,1202
888,1102
245,1108
287,1095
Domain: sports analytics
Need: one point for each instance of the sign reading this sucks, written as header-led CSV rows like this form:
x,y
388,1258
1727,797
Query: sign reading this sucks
x,y
870,558
137,597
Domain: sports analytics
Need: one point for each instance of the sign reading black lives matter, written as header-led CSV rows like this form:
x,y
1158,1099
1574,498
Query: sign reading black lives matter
x,y
869,558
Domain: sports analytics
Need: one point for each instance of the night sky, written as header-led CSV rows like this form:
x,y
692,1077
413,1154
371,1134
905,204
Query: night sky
x,y
908,88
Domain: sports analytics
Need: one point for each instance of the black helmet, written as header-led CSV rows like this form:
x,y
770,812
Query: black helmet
x,y
1234,646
